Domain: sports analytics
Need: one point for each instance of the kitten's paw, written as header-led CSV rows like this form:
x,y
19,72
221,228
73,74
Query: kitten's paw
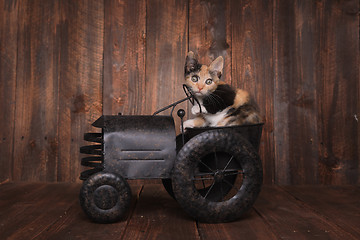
x,y
188,124
196,122
195,110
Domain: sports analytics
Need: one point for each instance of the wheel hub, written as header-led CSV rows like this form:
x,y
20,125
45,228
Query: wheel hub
x,y
219,176
105,197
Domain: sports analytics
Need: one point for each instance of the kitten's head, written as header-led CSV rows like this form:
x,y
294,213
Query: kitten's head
x,y
202,79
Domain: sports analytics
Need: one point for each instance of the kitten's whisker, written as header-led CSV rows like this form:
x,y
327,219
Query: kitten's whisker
x,y
214,95
215,99
218,102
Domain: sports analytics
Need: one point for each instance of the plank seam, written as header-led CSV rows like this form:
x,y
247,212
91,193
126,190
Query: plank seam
x,y
188,26
103,59
56,221
323,217
58,155
273,170
5,181
199,235
145,59
15,97
131,213
267,224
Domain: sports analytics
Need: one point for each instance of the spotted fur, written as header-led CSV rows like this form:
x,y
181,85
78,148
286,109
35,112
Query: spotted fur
x,y
220,104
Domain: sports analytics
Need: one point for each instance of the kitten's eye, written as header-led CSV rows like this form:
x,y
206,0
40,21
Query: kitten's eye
x,y
194,78
208,81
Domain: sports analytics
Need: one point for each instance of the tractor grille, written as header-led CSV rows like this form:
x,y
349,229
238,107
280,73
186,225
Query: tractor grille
x,y
96,159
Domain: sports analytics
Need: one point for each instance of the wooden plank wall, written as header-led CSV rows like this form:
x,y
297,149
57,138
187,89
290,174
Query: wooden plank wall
x,y
8,62
316,67
51,86
64,63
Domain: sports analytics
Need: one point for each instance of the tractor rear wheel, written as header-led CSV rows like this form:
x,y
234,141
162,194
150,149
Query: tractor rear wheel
x,y
217,176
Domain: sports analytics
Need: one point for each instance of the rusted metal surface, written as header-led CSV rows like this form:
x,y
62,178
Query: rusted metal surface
x,y
96,159
105,197
252,132
212,204
136,146
214,173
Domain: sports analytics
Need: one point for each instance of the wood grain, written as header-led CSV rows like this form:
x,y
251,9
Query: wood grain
x,y
340,204
338,90
316,84
210,33
252,67
156,206
52,211
65,63
75,224
80,88
35,143
166,47
29,215
251,225
296,99
21,192
8,63
290,219
124,57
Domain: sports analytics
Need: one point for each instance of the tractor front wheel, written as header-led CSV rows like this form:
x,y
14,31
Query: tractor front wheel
x,y
105,197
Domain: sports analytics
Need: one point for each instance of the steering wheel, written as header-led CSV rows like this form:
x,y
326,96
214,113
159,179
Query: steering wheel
x,y
191,96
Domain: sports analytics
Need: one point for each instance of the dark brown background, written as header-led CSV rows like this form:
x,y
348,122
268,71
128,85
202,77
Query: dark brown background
x,y
64,63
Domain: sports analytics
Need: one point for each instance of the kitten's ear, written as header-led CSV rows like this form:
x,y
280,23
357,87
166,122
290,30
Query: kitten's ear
x,y
191,62
217,66
190,55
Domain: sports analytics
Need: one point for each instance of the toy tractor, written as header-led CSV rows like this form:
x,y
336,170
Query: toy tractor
x,y
214,173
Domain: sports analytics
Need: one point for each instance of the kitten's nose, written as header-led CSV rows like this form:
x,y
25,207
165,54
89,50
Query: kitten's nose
x,y
200,87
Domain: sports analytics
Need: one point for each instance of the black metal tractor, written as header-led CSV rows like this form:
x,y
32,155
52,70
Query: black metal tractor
x,y
214,173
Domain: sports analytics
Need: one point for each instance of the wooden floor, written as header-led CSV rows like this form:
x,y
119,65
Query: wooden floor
x,y
52,211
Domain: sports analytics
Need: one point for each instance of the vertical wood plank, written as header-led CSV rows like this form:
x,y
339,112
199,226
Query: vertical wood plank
x,y
51,90
8,62
210,33
35,149
295,103
356,116
166,47
124,57
251,29
80,88
338,90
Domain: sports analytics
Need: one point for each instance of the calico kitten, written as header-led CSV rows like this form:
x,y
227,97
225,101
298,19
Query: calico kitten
x,y
220,104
